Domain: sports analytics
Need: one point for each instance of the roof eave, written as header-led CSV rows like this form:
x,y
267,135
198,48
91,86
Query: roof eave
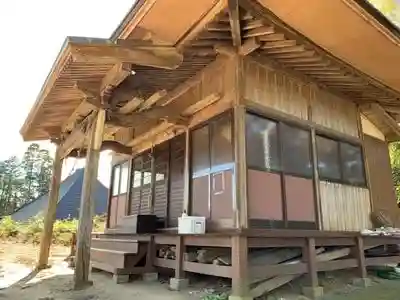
x,y
50,79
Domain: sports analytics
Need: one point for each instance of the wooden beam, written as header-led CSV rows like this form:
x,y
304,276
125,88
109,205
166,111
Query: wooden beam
x,y
106,145
201,24
390,122
183,88
240,276
50,216
234,20
131,105
82,264
249,46
152,99
76,137
164,57
116,76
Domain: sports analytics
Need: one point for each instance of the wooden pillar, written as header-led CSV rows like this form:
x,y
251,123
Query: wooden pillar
x,y
240,280
313,290
50,216
186,191
82,264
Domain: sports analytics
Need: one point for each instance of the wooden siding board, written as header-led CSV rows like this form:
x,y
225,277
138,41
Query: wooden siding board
x,y
268,87
381,181
344,208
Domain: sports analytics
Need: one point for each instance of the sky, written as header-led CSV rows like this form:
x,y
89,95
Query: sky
x,y
32,33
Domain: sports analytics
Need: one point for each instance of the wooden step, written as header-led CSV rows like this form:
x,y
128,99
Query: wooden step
x,y
117,244
113,258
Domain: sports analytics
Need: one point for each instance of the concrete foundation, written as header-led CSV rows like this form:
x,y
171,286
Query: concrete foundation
x,y
150,277
120,278
313,292
177,284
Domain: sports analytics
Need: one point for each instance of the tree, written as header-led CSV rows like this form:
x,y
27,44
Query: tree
x,y
45,169
30,166
23,181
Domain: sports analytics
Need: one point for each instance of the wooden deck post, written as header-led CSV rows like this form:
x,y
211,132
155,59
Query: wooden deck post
x,y
50,216
82,264
179,281
240,280
313,291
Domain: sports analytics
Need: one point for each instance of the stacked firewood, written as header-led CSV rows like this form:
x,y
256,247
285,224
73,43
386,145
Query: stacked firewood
x,y
205,255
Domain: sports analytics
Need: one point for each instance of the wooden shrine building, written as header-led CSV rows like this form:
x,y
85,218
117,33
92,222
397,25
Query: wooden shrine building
x,y
274,125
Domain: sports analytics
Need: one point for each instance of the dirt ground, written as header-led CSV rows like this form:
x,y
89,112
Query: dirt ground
x,y
18,260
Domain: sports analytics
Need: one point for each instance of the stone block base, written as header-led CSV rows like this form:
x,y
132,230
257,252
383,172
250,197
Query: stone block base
x,y
120,278
362,282
150,277
177,284
240,298
313,292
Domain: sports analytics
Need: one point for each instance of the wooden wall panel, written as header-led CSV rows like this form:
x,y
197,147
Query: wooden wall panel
x,y
275,89
344,208
335,113
380,174
268,87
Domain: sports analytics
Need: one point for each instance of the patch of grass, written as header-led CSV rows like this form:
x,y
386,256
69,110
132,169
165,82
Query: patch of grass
x,y
222,296
31,231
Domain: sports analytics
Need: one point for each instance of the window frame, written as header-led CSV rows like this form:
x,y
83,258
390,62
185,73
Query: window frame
x,y
119,166
339,142
279,122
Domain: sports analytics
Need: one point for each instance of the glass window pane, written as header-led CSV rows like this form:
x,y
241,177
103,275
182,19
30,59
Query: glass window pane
x,y
124,178
115,185
137,179
221,143
261,143
328,158
296,153
201,151
352,164
146,178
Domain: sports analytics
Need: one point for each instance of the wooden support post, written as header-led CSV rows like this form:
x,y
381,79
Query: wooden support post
x,y
150,255
82,265
186,191
317,192
359,254
313,290
50,216
179,282
241,214
240,280
180,250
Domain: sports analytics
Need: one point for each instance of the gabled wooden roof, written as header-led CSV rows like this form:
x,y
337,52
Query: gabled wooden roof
x,y
302,43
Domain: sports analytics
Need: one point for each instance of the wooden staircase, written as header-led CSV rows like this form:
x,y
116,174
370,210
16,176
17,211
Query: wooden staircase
x,y
117,254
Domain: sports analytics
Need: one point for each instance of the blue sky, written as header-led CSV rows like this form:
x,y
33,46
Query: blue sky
x,y
32,33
